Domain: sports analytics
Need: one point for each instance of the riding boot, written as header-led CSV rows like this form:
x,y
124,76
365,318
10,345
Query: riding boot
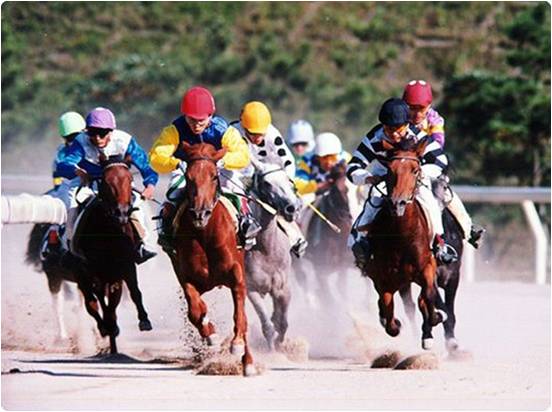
x,y
299,248
142,254
476,233
51,244
362,250
443,252
248,230
165,236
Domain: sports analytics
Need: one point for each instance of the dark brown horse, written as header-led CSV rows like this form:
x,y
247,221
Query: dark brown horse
x,y
328,249
207,253
401,245
105,238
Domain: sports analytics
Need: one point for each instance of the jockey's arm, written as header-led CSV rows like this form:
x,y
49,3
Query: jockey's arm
x,y
434,160
140,160
303,181
237,155
161,154
436,127
68,166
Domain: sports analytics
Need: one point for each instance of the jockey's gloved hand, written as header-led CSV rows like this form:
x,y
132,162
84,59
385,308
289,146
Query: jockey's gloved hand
x,y
373,180
84,176
183,166
324,186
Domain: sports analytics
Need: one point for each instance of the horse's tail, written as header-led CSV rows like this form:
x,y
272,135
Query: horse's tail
x,y
32,256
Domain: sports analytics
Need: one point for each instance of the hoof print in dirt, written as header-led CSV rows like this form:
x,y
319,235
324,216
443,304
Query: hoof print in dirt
x,y
422,361
387,360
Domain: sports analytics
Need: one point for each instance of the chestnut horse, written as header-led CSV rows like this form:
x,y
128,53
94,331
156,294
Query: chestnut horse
x,y
105,237
207,253
401,245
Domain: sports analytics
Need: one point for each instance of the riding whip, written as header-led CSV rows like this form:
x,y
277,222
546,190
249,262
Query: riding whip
x,y
324,218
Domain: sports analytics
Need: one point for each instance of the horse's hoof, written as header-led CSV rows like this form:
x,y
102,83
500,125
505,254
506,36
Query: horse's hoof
x,y
213,339
451,344
145,325
250,370
103,331
383,322
393,331
237,349
398,323
427,344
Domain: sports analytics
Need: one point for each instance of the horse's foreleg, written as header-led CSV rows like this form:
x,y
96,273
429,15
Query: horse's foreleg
x,y
281,301
408,303
239,343
92,307
136,296
386,312
268,330
113,293
197,313
426,303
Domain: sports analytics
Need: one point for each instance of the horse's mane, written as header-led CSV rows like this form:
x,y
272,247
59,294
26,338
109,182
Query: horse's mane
x,y
201,150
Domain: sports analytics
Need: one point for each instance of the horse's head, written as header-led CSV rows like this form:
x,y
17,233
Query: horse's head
x,y
202,181
403,176
115,189
273,186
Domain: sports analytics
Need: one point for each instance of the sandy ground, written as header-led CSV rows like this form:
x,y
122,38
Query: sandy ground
x,y
503,329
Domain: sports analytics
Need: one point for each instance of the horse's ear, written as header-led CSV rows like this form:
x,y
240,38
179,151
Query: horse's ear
x,y
421,147
387,145
219,154
186,146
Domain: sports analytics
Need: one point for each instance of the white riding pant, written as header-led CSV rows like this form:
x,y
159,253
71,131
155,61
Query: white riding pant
x,y
457,208
372,206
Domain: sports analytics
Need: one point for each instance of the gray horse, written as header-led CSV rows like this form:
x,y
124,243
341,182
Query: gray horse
x,y
268,263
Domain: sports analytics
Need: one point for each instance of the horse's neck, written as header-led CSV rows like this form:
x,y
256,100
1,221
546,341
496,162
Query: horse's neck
x,y
412,222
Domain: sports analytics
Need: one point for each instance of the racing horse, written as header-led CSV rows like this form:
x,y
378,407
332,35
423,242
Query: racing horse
x,y
268,263
401,244
105,239
207,253
448,275
328,249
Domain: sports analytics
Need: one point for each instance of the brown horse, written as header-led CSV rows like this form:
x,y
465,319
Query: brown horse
x,y
401,245
106,238
207,253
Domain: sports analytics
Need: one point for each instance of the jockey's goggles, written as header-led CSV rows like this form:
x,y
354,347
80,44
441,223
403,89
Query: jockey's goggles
x,y
396,129
95,131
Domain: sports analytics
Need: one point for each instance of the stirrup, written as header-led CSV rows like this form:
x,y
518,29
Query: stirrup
x,y
362,251
446,254
142,254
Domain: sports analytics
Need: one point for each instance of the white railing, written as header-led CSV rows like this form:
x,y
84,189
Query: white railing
x,y
527,197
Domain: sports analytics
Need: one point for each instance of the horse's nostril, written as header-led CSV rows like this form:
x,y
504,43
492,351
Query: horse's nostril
x,y
207,213
290,209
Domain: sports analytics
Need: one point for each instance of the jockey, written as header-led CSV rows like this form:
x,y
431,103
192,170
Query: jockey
x,y
82,161
314,176
417,94
300,137
266,145
365,168
197,124
70,124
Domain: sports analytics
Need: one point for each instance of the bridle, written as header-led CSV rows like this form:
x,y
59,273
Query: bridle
x,y
208,209
387,196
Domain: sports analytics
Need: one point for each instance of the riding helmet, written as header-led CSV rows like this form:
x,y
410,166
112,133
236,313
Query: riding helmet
x,y
198,103
394,112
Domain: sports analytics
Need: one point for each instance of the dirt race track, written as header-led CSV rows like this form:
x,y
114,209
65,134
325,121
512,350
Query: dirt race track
x,y
503,328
